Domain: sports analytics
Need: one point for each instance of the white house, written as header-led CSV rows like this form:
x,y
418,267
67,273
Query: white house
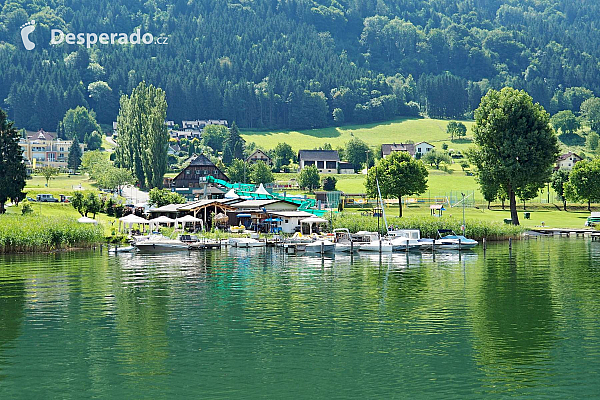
x,y
290,220
423,148
567,161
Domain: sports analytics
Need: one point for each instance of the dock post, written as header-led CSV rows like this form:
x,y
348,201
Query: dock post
x,y
407,245
510,243
322,248
459,244
379,246
351,246
484,244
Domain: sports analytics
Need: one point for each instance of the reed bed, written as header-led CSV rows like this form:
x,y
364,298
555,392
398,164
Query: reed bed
x,y
19,234
475,229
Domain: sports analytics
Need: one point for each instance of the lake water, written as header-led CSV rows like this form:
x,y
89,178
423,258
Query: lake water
x,y
258,323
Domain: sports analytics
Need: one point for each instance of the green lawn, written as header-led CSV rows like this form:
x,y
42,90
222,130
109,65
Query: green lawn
x,y
397,131
61,184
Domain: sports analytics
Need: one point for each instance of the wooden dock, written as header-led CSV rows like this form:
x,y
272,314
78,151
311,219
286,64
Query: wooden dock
x,y
566,232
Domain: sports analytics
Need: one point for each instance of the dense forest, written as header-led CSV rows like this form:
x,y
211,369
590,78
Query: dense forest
x,y
299,63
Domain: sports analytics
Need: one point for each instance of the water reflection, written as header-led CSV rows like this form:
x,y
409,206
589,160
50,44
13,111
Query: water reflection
x,y
259,322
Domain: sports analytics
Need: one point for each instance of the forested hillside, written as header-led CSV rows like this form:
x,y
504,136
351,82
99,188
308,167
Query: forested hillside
x,y
299,63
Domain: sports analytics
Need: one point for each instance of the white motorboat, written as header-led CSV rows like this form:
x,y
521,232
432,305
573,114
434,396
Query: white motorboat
x,y
344,243
448,240
160,244
248,243
405,239
320,246
383,246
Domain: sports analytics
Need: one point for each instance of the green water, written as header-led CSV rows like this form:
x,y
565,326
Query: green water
x,y
258,323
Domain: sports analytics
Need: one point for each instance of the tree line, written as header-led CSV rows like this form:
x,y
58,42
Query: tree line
x,y
300,64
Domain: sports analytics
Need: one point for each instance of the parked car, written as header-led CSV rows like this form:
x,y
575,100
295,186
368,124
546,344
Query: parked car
x,y
30,198
46,198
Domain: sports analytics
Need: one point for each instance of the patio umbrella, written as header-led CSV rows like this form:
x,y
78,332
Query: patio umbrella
x,y
221,217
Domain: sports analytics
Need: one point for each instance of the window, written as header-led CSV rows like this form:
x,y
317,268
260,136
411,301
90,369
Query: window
x,y
187,171
287,221
308,163
418,149
331,165
197,172
320,164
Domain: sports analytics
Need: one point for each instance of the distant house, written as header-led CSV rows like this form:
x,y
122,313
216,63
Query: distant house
x,y
420,148
173,150
199,124
387,149
259,155
423,148
199,168
567,161
326,161
345,167
186,134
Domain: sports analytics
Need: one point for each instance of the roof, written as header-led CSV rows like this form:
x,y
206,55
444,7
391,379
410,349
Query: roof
x,y
291,214
424,143
563,157
169,208
42,135
318,155
260,203
201,161
203,203
258,151
386,149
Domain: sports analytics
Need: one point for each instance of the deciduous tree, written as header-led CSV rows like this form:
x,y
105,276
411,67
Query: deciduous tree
x,y
48,172
559,179
584,182
309,178
399,175
261,173
516,145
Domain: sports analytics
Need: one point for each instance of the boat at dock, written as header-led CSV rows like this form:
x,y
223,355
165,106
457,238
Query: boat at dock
x,y
160,244
448,240
405,239
320,246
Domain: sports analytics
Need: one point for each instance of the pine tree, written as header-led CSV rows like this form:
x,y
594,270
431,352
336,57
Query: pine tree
x,y
234,145
74,155
12,168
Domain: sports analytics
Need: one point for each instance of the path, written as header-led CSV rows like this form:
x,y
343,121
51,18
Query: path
x,y
134,195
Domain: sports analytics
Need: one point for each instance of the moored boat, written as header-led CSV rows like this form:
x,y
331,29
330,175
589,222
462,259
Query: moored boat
x,y
160,244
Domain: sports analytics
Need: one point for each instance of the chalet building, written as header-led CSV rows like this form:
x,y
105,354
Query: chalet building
x,y
326,161
194,175
46,149
259,155
567,161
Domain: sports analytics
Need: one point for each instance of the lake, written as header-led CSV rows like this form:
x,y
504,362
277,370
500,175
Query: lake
x,y
259,323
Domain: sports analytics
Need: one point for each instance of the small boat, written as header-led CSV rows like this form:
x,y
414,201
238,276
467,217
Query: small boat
x,y
320,246
160,244
384,246
248,243
344,243
405,239
126,249
448,240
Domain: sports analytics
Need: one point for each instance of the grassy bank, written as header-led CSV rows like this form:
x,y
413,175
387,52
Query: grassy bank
x,y
476,229
35,233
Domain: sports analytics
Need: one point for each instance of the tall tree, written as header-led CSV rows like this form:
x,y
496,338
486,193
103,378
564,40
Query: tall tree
x,y
214,136
584,182
12,168
565,121
261,173
283,154
399,175
143,137
357,152
309,178
515,143
75,154
559,179
238,171
234,145
80,123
